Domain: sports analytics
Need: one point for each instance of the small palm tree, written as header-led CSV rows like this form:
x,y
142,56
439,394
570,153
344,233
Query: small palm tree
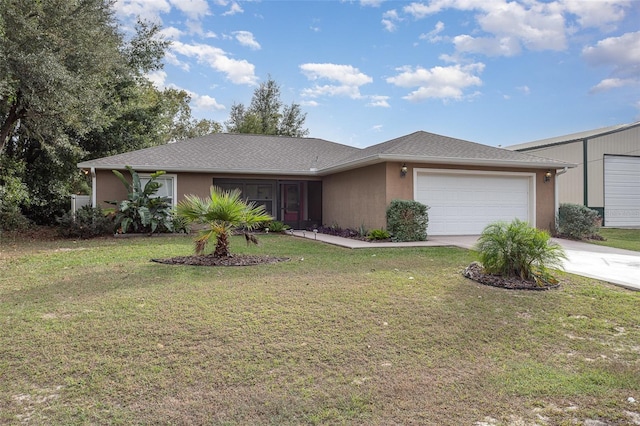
x,y
518,250
222,212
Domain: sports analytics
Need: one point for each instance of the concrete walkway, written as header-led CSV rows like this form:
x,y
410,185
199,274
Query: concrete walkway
x,y
616,266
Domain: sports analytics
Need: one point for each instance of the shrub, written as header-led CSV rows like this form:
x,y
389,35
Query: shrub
x,y
407,220
143,210
518,250
13,194
379,234
89,222
577,221
180,224
277,226
338,231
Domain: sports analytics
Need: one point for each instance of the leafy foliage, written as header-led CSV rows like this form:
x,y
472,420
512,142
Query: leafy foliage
x,y
73,88
518,250
277,226
378,234
13,193
336,230
577,221
223,212
143,210
407,220
266,116
88,222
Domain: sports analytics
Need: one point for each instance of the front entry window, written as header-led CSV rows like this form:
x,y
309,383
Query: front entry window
x,y
261,193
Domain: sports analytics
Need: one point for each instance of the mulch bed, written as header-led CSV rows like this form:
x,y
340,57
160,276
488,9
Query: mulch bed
x,y
211,260
476,273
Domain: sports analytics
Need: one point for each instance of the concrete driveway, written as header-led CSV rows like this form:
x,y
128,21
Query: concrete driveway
x,y
617,266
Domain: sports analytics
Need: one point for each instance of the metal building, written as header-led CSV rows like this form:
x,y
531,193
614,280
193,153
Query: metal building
x,y
607,178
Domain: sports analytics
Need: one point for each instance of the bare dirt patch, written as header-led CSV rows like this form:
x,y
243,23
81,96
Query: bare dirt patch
x,y
476,273
211,260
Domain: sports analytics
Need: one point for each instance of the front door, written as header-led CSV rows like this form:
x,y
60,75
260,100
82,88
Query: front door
x,y
290,204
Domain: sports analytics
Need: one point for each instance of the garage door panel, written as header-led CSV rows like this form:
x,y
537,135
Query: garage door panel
x,y
463,204
621,190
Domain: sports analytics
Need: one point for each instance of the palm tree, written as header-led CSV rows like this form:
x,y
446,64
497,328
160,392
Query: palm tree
x,y
222,212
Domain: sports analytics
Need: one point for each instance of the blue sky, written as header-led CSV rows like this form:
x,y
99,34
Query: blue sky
x,y
491,71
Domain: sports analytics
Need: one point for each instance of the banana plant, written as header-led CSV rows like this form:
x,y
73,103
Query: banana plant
x,y
142,211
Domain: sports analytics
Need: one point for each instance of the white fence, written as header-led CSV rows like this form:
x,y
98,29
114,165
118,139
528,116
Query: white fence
x,y
78,202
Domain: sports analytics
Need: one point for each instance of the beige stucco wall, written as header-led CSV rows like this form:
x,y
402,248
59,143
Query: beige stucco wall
x,y
361,196
349,199
355,197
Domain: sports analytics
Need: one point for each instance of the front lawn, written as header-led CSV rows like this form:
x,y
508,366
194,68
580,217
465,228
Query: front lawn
x,y
94,333
620,238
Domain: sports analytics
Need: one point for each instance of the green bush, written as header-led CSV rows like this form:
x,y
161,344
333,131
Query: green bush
x,y
378,234
276,226
143,211
13,194
407,220
577,221
518,250
89,222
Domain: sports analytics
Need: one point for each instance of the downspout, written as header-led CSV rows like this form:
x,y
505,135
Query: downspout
x,y
93,187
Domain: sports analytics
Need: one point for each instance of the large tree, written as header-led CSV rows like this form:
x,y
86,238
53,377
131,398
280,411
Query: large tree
x,y
266,114
72,87
58,59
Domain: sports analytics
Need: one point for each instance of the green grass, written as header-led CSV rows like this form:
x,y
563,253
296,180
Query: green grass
x,y
92,332
628,239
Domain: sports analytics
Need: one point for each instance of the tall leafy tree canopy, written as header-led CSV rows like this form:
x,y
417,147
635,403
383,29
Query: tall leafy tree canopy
x,y
266,114
73,87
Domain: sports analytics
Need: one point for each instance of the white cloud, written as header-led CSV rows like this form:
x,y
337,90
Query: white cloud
x,y
146,9
245,38
378,101
377,128
372,3
206,102
505,46
600,14
349,80
158,78
438,82
233,10
432,36
309,103
171,33
620,53
613,83
539,27
194,9
389,20
237,71
524,89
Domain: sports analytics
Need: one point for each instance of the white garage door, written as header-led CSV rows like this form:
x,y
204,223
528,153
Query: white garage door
x,y
464,204
621,191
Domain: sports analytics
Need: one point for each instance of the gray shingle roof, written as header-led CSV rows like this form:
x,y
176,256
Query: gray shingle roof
x,y
429,147
242,153
239,153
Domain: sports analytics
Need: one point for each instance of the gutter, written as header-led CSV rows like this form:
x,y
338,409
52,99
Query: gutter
x,y
361,162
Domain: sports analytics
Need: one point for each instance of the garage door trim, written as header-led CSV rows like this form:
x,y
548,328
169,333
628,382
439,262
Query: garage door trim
x,y
530,176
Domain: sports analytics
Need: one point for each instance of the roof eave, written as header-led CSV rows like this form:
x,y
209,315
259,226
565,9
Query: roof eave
x,y
146,168
379,158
